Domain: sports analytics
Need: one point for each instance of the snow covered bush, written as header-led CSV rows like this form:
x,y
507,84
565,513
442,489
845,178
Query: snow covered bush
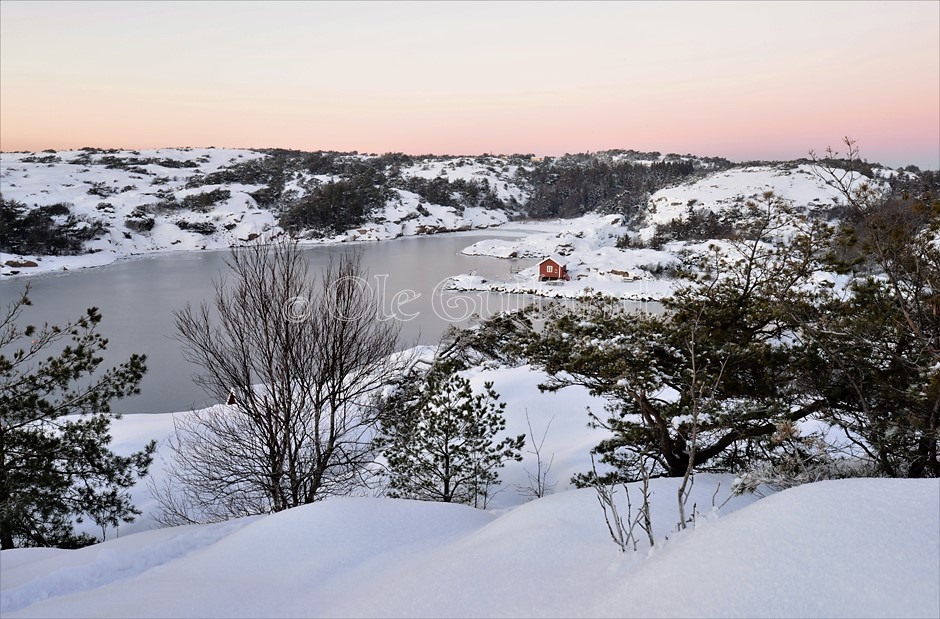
x,y
51,230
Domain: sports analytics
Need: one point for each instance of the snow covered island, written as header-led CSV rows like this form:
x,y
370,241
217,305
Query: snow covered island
x,y
635,260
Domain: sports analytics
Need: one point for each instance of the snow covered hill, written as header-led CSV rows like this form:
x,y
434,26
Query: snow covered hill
x,y
600,262
190,199
851,548
498,172
160,200
722,191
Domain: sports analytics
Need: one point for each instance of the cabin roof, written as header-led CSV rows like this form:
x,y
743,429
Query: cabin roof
x,y
559,260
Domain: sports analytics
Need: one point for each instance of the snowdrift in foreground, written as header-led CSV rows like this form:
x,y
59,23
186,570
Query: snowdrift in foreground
x,y
852,548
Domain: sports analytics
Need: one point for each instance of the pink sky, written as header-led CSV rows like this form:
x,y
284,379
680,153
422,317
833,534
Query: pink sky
x,y
756,80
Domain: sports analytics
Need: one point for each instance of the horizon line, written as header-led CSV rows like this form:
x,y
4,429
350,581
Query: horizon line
x,y
446,154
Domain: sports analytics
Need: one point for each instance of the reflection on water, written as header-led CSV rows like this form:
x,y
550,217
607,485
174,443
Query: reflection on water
x,y
137,299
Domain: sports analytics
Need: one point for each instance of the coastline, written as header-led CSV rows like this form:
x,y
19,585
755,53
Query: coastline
x,y
62,265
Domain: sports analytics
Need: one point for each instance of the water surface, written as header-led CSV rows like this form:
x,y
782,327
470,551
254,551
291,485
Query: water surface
x,y
137,298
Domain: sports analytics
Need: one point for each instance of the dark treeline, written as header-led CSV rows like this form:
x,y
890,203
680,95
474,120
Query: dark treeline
x,y
571,187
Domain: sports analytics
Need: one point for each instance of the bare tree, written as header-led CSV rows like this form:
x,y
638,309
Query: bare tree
x,y
622,528
299,361
538,485
703,384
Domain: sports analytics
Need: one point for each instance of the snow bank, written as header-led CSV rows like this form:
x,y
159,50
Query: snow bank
x,y
852,548
830,549
30,575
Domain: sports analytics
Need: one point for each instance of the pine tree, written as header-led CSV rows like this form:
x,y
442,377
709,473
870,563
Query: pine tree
x,y
877,350
725,351
441,446
55,465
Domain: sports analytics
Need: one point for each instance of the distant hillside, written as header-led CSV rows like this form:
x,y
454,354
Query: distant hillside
x,y
110,203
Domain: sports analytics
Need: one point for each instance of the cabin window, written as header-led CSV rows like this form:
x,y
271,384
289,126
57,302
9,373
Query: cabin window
x,y
549,268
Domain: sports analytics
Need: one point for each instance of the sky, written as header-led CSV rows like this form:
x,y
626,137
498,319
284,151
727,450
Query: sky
x,y
741,80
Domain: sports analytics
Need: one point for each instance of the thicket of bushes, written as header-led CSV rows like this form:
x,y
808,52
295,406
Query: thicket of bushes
x,y
45,230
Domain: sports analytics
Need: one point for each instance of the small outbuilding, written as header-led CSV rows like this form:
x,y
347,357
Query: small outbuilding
x,y
553,268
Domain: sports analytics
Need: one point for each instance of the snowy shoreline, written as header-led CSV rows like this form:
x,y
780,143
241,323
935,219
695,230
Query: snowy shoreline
x,y
604,256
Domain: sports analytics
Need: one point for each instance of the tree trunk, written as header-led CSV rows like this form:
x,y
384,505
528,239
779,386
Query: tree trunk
x,y
6,535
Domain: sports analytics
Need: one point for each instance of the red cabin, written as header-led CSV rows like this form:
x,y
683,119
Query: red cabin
x,y
553,269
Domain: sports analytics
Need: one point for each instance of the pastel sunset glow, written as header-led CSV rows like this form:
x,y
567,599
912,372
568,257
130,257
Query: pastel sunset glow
x,y
758,80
